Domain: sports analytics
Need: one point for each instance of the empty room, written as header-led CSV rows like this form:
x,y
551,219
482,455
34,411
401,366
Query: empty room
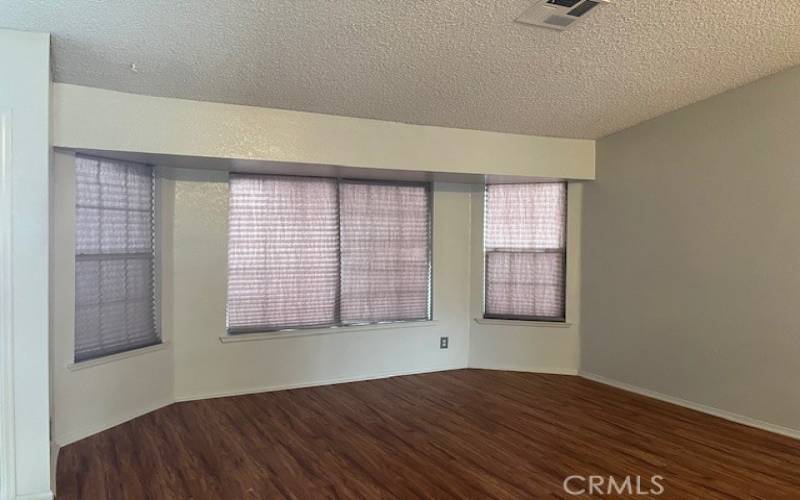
x,y
399,249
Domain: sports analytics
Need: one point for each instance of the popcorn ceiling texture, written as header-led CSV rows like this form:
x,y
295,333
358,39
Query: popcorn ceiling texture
x,y
456,63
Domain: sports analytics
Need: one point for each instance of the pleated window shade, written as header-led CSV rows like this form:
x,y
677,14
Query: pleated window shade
x,y
312,252
283,252
114,258
385,246
525,231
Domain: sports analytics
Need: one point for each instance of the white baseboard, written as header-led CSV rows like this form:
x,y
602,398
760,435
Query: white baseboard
x,y
733,417
315,383
551,370
47,495
107,423
54,449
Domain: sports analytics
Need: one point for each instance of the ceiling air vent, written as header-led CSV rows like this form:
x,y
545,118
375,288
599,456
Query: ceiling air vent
x,y
564,3
558,14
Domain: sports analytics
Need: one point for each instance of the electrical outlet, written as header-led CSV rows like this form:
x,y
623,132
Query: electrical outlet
x,y
442,342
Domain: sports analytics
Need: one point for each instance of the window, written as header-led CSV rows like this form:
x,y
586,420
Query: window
x,y
525,251
314,252
385,247
114,258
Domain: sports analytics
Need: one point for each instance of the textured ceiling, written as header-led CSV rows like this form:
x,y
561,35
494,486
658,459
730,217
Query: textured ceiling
x,y
457,63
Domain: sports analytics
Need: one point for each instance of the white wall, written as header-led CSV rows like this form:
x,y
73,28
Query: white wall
x,y
204,366
193,237
193,241
520,345
98,395
691,271
24,113
99,119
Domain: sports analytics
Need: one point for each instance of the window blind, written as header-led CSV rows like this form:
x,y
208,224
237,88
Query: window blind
x,y
307,252
385,247
283,252
114,258
525,251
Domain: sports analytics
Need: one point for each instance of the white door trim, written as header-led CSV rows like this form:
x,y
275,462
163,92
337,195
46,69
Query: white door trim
x,y
7,442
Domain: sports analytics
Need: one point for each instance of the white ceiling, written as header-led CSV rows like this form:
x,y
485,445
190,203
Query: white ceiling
x,y
458,63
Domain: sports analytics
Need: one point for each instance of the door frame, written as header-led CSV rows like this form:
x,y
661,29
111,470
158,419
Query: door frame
x,y
7,441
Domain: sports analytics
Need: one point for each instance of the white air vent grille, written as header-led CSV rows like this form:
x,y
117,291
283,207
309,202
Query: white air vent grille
x,y
558,14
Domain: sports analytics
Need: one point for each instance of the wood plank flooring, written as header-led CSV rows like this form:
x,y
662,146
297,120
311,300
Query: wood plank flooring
x,y
457,434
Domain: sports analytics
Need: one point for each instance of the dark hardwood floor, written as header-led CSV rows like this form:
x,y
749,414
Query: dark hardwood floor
x,y
458,434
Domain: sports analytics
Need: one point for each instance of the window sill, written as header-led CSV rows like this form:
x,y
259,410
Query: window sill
x,y
310,332
81,365
528,324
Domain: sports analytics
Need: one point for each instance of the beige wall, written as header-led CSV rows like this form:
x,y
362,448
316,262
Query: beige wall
x,y
193,213
524,345
90,118
691,274
112,390
193,207
193,247
204,366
